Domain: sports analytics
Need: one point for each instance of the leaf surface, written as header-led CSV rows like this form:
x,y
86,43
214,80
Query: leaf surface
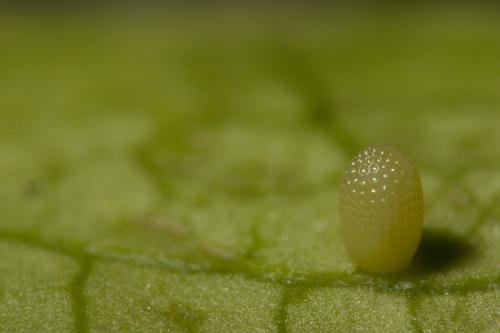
x,y
173,176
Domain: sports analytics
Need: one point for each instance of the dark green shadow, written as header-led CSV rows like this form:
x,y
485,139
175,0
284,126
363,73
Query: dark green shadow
x,y
440,251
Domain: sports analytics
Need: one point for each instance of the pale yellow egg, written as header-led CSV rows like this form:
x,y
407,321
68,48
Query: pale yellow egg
x,y
381,209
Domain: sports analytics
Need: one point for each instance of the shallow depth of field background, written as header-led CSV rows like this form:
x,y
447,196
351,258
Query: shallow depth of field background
x,y
175,168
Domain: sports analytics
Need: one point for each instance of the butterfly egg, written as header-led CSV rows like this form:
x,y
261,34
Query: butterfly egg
x,y
381,209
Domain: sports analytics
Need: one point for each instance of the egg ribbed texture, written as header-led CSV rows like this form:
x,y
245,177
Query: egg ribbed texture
x,y
381,209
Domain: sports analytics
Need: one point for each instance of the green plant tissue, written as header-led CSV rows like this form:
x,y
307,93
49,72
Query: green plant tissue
x,y
181,175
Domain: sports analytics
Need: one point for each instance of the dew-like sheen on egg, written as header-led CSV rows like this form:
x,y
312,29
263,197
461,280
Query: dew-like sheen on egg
x,y
381,209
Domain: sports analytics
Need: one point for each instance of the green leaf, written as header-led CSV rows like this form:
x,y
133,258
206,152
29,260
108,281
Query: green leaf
x,y
181,175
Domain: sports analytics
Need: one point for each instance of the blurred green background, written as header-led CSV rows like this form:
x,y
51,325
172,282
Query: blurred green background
x,y
175,168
